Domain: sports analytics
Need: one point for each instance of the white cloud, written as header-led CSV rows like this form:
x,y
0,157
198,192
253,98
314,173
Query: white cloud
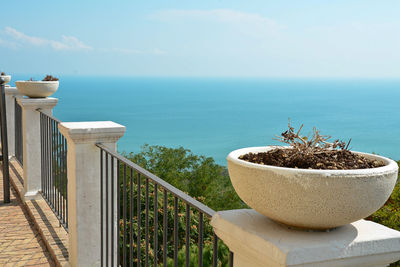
x,y
249,23
67,42
25,38
8,44
157,51
75,43
127,51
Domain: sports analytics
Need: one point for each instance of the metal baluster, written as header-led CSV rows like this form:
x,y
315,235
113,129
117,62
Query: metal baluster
x,y
60,159
187,235
41,150
124,205
131,219
41,147
61,182
66,181
16,129
147,223
215,250
56,170
112,210
47,156
139,219
165,228
155,225
107,203
176,241
117,187
200,239
51,200
46,171
51,164
101,209
230,259
54,166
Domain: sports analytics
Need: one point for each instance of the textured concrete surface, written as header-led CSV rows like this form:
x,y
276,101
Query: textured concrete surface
x,y
306,198
31,142
84,187
20,242
258,241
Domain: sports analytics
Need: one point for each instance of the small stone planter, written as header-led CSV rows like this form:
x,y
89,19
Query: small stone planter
x,y
37,89
311,199
6,78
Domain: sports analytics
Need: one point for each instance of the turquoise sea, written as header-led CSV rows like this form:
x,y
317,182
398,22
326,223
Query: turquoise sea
x,y
215,116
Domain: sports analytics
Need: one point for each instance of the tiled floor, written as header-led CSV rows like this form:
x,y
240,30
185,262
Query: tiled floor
x,y
20,242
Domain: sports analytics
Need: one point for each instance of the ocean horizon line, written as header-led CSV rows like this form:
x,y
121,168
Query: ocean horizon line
x,y
39,76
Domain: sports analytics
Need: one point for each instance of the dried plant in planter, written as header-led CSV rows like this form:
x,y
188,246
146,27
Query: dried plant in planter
x,y
50,78
313,152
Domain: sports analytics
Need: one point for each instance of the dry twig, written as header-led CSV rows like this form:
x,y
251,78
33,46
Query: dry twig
x,y
318,143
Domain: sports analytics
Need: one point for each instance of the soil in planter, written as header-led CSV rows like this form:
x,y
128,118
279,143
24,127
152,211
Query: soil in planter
x,y
331,160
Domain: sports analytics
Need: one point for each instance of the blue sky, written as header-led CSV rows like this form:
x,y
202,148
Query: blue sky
x,y
222,38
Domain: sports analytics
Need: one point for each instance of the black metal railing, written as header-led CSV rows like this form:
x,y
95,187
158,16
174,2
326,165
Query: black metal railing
x,y
4,144
146,221
54,167
18,132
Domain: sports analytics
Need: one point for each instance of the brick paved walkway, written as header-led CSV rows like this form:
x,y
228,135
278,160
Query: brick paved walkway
x,y
20,242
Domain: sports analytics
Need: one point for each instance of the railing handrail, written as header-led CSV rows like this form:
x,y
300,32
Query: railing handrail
x,y
173,190
50,116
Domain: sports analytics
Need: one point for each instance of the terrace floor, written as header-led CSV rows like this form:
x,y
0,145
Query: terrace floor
x,y
30,234
20,242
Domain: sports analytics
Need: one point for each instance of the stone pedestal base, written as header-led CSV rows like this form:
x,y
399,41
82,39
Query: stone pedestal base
x,y
31,143
85,190
257,241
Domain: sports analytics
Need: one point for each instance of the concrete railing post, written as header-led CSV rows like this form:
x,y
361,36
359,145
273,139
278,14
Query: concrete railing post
x,y
31,141
258,241
11,93
84,187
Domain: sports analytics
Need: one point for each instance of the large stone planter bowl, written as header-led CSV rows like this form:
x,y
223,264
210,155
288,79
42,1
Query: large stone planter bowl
x,y
311,199
6,78
36,89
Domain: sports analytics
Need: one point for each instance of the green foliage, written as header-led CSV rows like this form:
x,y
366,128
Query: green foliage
x,y
389,214
208,182
129,195
223,255
199,176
